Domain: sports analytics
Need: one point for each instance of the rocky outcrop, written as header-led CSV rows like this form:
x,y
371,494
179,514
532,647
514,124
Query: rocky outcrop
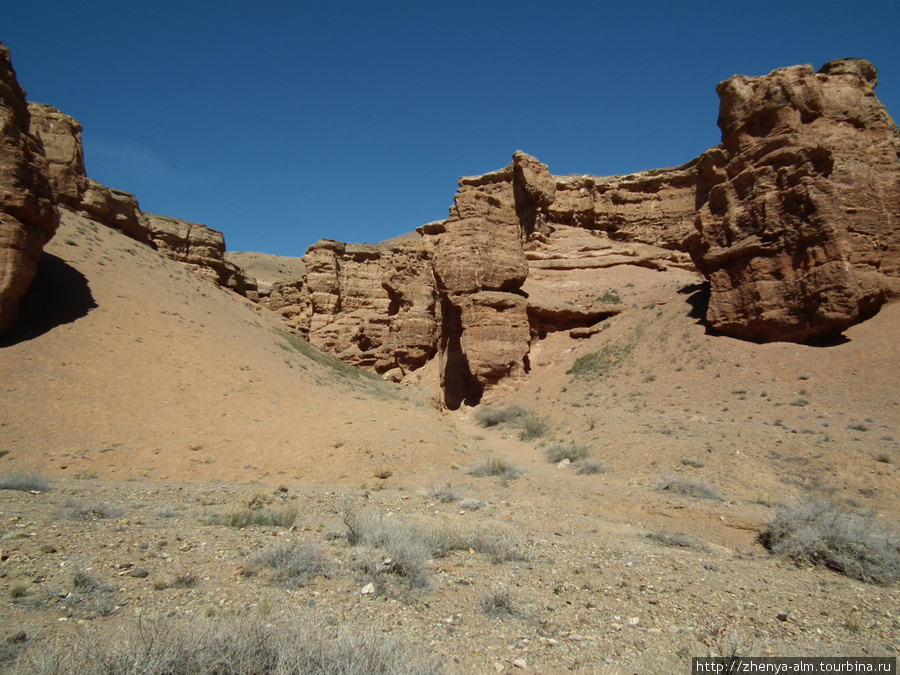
x,y
479,266
61,137
28,213
797,224
200,248
372,305
654,207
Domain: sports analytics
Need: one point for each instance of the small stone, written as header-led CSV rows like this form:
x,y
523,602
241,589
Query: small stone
x,y
368,589
634,621
520,663
139,573
499,667
782,616
617,626
564,464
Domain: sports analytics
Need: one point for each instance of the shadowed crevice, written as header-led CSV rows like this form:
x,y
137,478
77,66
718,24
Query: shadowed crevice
x,y
59,294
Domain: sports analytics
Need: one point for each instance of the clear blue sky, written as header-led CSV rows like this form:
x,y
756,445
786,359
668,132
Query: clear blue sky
x,y
281,123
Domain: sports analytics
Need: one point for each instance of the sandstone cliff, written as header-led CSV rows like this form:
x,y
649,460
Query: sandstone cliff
x,y
200,248
797,222
28,212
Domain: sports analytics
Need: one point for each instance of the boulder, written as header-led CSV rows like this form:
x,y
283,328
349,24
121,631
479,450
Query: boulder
x,y
28,213
797,227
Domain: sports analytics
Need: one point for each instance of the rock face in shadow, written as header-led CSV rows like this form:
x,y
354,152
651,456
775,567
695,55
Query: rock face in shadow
x,y
28,213
797,219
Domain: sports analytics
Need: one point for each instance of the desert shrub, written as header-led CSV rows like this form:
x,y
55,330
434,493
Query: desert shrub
x,y
25,481
820,533
80,511
471,504
287,646
557,452
389,546
690,488
495,466
293,564
402,548
247,517
442,493
491,417
588,468
498,603
531,427
675,540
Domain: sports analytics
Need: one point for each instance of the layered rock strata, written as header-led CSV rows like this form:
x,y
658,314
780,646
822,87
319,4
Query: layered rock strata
x,y
372,305
28,213
797,223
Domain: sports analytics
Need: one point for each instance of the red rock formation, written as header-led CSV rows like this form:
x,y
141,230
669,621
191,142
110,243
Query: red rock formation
x,y
372,305
28,214
61,138
654,207
200,248
798,208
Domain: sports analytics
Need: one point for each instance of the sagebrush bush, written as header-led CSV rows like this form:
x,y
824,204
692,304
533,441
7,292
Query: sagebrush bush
x,y
293,564
247,517
288,645
402,548
820,533
495,466
690,488
557,452
491,417
442,493
498,603
24,481
589,468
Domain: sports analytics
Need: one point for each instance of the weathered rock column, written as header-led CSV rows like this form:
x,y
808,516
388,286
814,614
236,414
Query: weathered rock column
x,y
28,214
798,209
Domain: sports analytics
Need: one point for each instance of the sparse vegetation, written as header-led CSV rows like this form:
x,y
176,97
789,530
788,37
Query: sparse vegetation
x,y
818,532
588,468
442,493
689,488
498,603
491,417
609,298
675,540
600,363
248,517
557,452
289,645
24,481
293,564
495,466
401,548
79,511
531,427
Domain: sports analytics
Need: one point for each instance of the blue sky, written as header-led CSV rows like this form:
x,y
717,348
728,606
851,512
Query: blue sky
x,y
280,123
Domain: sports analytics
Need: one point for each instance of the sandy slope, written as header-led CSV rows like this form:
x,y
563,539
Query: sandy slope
x,y
171,377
